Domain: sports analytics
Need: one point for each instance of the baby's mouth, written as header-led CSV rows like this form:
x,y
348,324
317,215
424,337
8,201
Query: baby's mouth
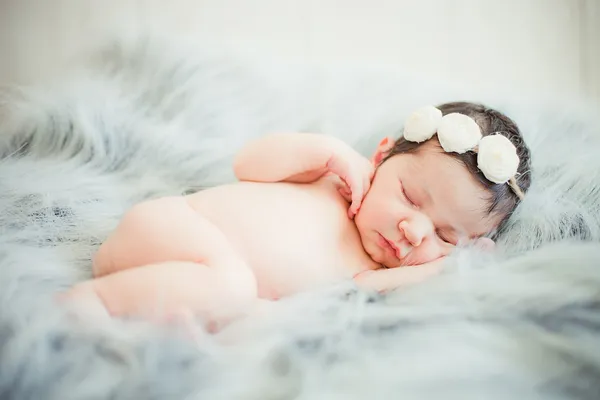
x,y
401,251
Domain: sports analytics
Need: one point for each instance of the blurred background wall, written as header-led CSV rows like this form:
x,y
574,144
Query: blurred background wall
x,y
546,47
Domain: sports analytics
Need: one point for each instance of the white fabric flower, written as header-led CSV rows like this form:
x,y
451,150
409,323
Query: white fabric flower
x,y
422,124
497,158
458,133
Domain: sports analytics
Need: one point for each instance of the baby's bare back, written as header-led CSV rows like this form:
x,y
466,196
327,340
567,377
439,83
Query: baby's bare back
x,y
293,236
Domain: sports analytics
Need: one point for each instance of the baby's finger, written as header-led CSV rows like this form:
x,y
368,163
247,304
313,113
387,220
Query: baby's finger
x,y
357,195
351,213
345,193
366,185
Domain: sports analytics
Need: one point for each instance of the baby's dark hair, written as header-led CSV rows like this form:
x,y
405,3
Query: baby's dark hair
x,y
503,199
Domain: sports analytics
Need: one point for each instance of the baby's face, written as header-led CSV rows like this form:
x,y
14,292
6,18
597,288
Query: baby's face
x,y
420,206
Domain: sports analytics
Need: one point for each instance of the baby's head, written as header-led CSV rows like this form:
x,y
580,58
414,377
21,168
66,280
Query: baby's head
x,y
427,198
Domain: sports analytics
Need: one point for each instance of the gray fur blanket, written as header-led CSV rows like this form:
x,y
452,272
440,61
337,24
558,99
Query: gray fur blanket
x,y
144,117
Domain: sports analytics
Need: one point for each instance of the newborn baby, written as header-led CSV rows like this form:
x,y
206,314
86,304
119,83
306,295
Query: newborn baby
x,y
309,210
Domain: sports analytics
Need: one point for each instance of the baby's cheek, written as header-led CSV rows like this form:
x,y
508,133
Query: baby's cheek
x,y
367,215
432,251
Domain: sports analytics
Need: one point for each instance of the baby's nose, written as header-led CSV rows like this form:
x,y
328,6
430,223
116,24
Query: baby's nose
x,y
416,229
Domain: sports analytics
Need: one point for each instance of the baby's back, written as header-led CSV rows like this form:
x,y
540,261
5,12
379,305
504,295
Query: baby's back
x,y
294,236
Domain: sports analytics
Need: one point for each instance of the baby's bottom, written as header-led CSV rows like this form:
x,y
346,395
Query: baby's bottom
x,y
167,291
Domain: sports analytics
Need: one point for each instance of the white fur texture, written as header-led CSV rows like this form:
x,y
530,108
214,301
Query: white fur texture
x,y
144,118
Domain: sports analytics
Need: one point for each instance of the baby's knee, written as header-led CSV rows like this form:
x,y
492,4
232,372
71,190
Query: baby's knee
x,y
102,263
141,232
152,214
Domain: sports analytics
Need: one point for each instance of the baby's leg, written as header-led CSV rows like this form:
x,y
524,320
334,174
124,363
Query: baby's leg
x,y
161,291
161,230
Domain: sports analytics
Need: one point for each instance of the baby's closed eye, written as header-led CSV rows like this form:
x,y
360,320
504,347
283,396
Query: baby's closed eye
x,y
445,236
406,195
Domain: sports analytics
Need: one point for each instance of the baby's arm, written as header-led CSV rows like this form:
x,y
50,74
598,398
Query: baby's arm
x,y
305,158
292,157
383,280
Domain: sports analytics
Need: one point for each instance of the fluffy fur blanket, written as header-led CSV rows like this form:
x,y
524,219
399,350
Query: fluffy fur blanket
x,y
143,118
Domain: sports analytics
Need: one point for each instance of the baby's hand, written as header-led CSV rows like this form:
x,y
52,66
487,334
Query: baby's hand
x,y
383,280
355,171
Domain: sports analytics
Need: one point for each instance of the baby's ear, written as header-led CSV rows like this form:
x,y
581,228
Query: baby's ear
x,y
485,244
383,149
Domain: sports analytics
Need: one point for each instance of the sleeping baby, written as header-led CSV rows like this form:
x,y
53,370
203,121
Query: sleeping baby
x,y
307,211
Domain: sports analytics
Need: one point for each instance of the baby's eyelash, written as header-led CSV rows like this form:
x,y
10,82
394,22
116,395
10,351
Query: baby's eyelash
x,y
443,237
406,196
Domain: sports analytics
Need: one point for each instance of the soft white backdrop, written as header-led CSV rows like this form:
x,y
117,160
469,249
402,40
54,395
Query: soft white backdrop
x,y
545,47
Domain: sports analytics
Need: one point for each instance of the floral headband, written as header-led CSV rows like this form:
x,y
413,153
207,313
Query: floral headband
x,y
497,157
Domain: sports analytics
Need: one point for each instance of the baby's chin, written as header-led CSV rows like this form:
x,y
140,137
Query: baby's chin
x,y
375,252
379,255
